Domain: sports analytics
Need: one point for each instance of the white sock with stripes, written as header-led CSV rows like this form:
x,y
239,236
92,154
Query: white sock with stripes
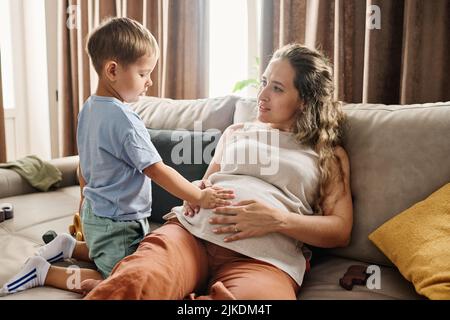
x,y
32,274
59,248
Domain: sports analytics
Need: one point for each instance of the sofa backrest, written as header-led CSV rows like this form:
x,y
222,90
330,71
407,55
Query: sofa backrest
x,y
169,114
399,154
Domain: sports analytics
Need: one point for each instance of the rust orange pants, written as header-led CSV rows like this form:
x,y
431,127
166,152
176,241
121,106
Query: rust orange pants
x,y
171,263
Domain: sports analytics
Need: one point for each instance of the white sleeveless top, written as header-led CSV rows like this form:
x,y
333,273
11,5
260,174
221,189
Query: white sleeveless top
x,y
264,164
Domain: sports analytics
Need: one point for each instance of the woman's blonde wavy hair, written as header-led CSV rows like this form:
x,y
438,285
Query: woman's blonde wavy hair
x,y
320,123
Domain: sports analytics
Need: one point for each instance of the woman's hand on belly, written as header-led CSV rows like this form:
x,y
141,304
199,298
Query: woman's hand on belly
x,y
246,219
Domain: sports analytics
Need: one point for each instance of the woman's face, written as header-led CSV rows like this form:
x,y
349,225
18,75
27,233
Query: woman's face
x,y
278,99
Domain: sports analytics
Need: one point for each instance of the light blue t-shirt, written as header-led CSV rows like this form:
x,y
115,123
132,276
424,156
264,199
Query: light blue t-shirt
x,y
115,148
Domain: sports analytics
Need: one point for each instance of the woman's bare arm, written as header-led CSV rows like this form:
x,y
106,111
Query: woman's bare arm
x,y
333,229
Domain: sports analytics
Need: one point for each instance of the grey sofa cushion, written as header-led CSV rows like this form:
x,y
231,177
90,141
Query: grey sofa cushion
x,y
398,156
188,152
246,111
322,282
68,167
212,113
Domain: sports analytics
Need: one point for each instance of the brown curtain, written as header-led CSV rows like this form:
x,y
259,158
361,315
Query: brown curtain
x,y
178,26
2,121
405,61
186,75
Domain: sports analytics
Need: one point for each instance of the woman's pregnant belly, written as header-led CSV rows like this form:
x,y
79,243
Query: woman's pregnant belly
x,y
274,248
245,188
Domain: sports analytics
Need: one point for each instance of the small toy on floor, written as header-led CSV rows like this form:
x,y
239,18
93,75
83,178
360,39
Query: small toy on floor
x,y
355,275
49,236
6,211
76,229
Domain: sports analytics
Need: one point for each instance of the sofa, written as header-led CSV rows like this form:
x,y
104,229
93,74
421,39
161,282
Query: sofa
x,y
398,156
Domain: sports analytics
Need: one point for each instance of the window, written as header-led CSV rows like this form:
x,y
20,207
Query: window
x,y
233,43
6,55
24,76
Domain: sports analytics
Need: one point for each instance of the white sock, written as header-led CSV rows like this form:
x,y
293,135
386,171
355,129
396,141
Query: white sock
x,y
32,274
59,248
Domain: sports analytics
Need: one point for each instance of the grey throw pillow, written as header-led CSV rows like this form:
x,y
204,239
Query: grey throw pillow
x,y
170,114
188,152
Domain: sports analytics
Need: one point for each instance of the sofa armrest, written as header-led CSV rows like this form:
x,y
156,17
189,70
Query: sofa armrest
x,y
12,184
68,167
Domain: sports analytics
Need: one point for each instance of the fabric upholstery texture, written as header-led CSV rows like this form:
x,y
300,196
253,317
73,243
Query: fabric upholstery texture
x,y
198,115
246,111
398,156
188,152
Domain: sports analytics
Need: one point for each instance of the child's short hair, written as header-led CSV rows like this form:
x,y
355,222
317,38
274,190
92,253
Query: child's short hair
x,y
122,39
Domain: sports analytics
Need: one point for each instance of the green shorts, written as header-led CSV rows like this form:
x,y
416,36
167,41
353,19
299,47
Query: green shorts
x,y
110,241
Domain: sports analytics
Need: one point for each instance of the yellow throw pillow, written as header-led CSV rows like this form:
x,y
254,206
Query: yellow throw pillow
x,y
417,241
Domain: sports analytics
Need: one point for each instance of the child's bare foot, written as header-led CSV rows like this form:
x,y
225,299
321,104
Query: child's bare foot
x,y
88,285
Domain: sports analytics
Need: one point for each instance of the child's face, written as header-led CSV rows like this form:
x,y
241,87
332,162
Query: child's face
x,y
133,80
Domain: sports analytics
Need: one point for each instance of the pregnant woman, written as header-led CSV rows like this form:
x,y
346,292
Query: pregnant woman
x,y
290,177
